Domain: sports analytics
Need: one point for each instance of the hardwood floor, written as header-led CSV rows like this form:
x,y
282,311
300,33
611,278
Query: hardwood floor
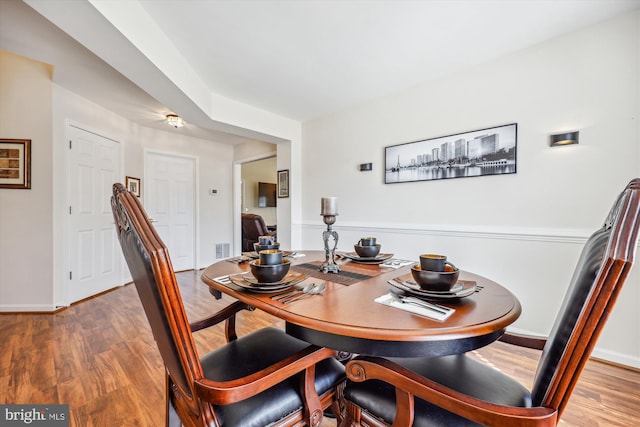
x,y
99,357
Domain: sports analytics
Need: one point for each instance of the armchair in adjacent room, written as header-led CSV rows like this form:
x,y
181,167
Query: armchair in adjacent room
x,y
253,226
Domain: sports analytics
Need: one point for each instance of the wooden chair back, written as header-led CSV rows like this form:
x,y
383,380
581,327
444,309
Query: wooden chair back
x,y
457,390
155,281
604,264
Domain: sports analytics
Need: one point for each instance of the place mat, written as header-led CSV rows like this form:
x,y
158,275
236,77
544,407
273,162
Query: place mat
x,y
345,277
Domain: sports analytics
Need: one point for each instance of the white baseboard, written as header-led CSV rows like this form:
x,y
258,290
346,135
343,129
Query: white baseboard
x,y
603,354
615,357
19,308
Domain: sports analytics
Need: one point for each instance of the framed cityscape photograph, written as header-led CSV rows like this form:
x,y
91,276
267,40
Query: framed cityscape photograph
x,y
490,151
15,163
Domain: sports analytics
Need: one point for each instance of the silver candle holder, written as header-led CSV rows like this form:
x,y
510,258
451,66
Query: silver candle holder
x,y
329,212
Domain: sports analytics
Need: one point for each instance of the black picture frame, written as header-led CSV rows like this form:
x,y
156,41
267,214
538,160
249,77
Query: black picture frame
x,y
15,163
488,151
283,183
133,184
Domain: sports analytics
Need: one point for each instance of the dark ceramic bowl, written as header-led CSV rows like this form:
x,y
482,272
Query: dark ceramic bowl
x,y
368,251
439,281
258,247
270,256
269,273
367,241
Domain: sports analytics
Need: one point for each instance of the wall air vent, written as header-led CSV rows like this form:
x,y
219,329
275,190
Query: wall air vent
x,y
222,250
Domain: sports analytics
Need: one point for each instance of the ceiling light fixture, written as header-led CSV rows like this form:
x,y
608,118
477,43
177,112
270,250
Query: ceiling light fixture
x,y
175,121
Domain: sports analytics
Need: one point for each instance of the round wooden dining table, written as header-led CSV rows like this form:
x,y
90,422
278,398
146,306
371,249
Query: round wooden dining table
x,y
345,316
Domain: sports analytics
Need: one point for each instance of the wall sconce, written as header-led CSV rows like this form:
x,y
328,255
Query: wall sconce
x,y
175,121
567,138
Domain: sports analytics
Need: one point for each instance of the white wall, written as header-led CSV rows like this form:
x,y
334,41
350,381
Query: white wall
x,y
214,160
213,167
253,150
32,107
523,230
26,228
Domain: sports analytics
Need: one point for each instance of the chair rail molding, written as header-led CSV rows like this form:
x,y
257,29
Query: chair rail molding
x,y
552,235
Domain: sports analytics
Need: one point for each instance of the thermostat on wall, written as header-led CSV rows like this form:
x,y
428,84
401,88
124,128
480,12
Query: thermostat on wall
x,y
213,191
366,167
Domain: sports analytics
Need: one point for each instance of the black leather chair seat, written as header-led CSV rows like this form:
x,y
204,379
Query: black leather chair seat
x,y
256,351
457,372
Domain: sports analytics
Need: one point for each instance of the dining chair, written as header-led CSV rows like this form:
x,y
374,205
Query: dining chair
x,y
459,391
263,378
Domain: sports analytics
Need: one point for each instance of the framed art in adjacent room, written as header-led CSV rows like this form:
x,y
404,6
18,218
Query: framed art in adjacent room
x,y
283,183
133,185
490,151
15,163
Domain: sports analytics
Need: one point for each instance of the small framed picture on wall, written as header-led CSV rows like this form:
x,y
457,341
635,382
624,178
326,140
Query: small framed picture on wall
x,y
283,183
15,163
133,185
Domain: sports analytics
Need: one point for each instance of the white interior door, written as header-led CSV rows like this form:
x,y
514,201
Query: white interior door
x,y
169,198
94,251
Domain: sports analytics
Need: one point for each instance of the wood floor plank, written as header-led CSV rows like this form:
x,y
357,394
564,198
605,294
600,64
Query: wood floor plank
x,y
99,357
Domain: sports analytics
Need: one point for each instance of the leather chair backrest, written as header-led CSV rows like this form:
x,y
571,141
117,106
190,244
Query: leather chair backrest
x,y
148,260
253,226
601,270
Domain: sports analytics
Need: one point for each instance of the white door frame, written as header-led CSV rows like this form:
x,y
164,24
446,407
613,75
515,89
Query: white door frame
x,y
196,191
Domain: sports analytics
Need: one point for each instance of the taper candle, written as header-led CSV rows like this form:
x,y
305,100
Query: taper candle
x,y
329,206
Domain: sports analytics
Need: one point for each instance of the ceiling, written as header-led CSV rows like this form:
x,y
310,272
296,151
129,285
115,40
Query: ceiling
x,y
296,59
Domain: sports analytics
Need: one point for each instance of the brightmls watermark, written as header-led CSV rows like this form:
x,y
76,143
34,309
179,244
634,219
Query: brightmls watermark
x,y
34,415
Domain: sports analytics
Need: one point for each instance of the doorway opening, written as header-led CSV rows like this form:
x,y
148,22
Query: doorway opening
x,y
258,197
